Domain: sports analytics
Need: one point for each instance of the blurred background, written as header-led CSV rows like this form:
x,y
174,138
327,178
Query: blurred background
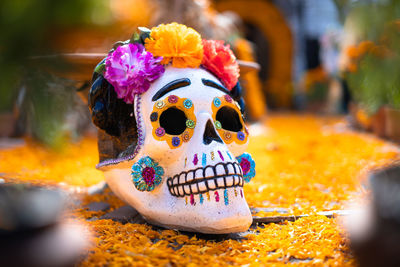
x,y
326,58
320,56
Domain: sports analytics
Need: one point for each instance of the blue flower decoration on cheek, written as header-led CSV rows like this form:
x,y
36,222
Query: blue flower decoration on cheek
x,y
187,103
248,166
217,102
146,174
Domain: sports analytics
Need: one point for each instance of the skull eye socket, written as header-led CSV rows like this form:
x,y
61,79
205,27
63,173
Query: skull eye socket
x,y
173,121
229,119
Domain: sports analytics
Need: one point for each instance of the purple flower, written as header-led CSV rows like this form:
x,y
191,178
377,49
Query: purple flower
x,y
160,131
131,69
241,136
176,141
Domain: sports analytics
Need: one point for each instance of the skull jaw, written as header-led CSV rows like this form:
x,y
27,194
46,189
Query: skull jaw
x,y
234,224
163,209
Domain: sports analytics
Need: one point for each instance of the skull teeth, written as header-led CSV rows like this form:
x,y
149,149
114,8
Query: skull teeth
x,y
202,180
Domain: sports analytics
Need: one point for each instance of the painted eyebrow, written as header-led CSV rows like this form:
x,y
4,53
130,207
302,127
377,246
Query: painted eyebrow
x,y
214,85
170,87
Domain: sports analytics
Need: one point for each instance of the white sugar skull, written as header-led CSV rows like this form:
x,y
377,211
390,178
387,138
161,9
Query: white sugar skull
x,y
177,154
190,133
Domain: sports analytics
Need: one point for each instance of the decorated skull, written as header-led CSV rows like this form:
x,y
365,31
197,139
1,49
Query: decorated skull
x,y
172,138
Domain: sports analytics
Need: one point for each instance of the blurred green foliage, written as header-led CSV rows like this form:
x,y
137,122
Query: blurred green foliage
x,y
376,83
28,29
377,80
318,92
47,99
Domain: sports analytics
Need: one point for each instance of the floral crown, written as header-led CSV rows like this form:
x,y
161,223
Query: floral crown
x,y
132,66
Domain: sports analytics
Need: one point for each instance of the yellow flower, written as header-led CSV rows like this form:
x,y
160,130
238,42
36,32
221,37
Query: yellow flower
x,y
177,43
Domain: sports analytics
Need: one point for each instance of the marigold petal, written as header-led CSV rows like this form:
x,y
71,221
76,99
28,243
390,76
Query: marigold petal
x,y
177,43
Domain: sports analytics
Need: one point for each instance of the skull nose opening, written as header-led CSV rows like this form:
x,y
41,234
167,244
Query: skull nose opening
x,y
210,134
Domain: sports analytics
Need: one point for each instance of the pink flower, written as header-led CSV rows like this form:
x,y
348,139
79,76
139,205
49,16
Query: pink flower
x,y
131,70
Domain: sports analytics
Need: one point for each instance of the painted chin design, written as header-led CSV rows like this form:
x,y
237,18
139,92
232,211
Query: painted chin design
x,y
205,179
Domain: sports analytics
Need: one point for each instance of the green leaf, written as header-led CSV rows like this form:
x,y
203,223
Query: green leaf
x,y
144,34
135,38
100,68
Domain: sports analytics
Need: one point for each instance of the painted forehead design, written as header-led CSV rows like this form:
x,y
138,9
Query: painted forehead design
x,y
183,82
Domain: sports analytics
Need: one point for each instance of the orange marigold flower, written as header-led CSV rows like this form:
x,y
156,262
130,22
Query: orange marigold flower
x,y
352,52
365,46
177,43
220,60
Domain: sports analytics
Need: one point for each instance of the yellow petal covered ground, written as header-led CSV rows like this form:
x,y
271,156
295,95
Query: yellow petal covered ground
x,y
304,164
74,165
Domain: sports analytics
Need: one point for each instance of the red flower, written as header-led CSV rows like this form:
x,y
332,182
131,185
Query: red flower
x,y
220,60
